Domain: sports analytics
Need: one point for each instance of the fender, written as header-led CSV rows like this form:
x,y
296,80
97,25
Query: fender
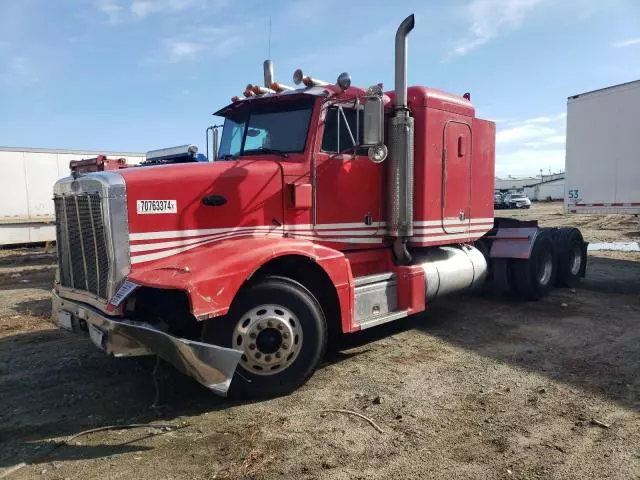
x,y
212,275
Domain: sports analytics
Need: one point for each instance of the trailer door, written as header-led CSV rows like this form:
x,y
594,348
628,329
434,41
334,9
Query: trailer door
x,y
456,178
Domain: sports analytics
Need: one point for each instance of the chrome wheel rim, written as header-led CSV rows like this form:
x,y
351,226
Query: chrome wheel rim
x,y
576,261
269,337
545,268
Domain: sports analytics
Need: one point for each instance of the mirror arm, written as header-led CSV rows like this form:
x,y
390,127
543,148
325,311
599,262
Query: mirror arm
x,y
346,123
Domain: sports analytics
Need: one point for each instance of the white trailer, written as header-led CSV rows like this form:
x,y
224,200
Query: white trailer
x,y
26,183
603,154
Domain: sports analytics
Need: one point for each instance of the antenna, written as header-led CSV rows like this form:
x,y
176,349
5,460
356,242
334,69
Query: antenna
x,y
269,38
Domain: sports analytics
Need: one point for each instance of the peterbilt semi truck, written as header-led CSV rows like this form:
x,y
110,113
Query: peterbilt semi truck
x,y
602,162
239,272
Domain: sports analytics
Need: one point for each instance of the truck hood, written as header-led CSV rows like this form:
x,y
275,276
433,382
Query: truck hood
x,y
175,208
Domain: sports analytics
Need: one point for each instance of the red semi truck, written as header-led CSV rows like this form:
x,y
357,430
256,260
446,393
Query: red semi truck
x,y
240,271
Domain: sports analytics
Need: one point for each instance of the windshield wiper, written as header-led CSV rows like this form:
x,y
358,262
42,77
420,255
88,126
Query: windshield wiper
x,y
268,151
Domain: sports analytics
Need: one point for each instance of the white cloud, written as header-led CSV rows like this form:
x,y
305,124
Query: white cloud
x,y
546,119
112,9
305,11
523,133
526,146
209,41
180,51
491,18
19,72
627,43
529,161
118,11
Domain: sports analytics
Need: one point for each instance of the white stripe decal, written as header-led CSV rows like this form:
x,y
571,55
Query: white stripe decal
x,y
330,233
174,251
145,247
195,233
338,240
434,223
181,234
334,226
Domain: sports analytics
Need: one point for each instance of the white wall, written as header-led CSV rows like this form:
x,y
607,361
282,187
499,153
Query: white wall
x,y
26,183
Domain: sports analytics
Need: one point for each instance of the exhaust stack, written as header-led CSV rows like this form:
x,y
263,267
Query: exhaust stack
x,y
268,73
401,133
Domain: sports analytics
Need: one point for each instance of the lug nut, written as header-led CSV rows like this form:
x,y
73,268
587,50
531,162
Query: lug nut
x,y
285,335
285,346
270,323
252,335
257,355
278,354
259,326
279,326
252,346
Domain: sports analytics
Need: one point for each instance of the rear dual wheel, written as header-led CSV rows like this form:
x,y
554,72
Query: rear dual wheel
x,y
531,278
572,256
535,277
280,328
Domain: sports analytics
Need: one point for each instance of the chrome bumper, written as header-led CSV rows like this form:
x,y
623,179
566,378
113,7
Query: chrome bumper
x,y
211,365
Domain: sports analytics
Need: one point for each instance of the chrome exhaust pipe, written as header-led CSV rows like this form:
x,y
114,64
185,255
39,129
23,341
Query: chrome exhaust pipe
x,y
268,73
401,133
401,61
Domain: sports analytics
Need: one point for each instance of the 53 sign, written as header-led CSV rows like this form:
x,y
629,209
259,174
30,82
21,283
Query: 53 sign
x,y
574,194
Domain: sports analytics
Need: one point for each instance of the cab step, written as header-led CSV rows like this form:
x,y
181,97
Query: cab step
x,y
376,300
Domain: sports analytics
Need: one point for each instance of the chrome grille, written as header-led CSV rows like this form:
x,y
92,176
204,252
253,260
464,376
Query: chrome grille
x,y
82,244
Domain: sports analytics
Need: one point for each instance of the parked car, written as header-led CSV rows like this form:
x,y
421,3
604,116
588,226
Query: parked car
x,y
498,200
517,200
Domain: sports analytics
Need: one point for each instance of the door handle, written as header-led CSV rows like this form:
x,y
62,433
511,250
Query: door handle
x,y
214,200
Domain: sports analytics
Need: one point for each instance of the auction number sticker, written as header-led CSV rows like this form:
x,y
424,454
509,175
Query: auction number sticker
x,y
146,207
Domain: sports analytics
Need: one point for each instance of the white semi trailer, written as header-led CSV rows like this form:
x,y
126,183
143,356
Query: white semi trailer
x,y
603,151
26,182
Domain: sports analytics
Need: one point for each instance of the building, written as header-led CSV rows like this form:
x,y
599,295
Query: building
x,y
28,175
541,188
546,191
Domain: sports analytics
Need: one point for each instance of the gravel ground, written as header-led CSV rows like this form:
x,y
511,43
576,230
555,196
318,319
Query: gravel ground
x,y
478,387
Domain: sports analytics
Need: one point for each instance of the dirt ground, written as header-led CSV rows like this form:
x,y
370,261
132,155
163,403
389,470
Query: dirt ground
x,y
479,387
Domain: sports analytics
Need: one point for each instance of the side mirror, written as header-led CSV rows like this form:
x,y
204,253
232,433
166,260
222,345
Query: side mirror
x,y
373,128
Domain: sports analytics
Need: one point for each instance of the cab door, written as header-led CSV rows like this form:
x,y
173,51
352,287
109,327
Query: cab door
x,y
456,177
348,185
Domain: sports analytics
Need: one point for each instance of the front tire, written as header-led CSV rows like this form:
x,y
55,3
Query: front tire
x,y
281,330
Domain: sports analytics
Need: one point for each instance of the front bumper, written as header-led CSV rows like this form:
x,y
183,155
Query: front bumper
x,y
211,365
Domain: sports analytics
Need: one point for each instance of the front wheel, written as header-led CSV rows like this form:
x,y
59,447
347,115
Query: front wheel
x,y
281,331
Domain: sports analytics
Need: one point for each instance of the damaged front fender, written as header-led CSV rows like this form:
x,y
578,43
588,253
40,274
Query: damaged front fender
x,y
211,365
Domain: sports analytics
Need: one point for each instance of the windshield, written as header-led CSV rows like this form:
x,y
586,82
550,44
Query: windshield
x,y
517,196
279,127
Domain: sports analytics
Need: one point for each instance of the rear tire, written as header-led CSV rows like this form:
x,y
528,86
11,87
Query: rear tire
x,y
503,278
535,277
281,330
571,257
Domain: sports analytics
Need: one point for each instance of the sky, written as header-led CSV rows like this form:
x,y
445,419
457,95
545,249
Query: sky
x,y
135,75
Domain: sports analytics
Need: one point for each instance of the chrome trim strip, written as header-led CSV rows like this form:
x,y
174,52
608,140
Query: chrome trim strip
x,y
379,320
211,365
375,278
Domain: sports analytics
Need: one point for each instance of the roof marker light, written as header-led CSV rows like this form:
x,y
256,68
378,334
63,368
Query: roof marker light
x,y
344,81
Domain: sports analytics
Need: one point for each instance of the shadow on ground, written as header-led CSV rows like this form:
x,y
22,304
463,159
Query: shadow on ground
x,y
56,384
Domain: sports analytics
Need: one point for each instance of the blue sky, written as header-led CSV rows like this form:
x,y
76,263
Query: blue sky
x,y
133,75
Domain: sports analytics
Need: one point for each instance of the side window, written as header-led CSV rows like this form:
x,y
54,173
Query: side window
x,y
231,142
335,141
